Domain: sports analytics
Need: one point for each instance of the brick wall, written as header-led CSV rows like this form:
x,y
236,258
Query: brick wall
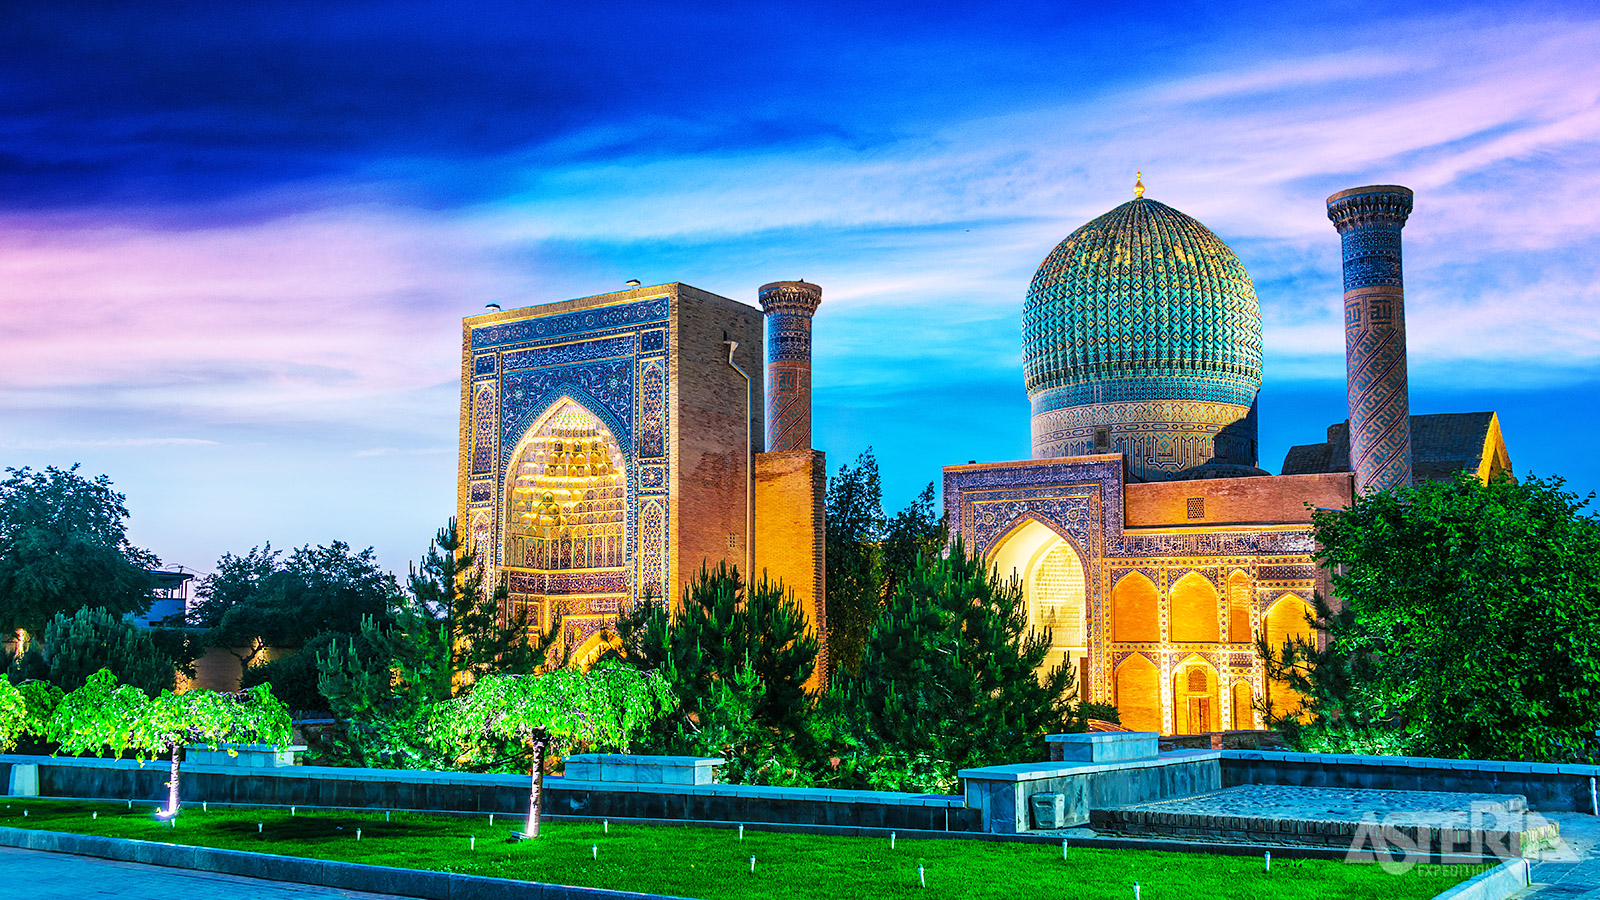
x,y
790,493
1272,499
706,421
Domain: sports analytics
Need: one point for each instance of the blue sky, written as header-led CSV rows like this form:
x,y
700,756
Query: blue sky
x,y
236,240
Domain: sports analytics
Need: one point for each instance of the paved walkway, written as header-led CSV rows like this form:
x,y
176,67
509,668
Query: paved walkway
x,y
1572,870
37,875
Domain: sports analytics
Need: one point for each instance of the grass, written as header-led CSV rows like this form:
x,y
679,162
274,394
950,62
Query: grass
x,y
714,864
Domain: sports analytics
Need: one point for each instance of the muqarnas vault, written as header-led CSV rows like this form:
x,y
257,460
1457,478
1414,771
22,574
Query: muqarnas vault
x,y
612,445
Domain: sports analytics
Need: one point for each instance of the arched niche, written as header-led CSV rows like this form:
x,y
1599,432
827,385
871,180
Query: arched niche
x,y
566,494
1195,709
1052,576
1135,611
1286,619
1138,700
1243,705
1240,593
1194,610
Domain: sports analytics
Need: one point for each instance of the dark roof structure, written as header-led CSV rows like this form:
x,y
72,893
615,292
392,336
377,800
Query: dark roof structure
x,y
1443,445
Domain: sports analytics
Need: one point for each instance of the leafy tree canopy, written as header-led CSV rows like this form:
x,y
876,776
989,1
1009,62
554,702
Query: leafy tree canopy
x,y
106,716
382,682
64,546
854,577
608,707
13,715
1470,625
264,599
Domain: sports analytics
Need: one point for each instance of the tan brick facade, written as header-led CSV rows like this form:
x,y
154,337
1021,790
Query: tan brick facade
x,y
607,445
790,529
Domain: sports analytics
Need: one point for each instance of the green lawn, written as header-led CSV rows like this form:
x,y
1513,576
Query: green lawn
x,y
714,864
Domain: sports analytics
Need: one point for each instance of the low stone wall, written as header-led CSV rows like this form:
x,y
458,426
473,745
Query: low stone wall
x,y
1547,787
507,794
1002,794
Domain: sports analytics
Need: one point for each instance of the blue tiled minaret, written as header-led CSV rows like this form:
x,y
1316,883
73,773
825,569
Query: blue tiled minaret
x,y
1369,220
789,306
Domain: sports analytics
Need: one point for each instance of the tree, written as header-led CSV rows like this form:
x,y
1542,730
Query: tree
x,y
949,671
1469,627
854,576
915,533
719,629
608,706
64,546
261,599
116,718
89,640
13,715
487,635
382,682
41,698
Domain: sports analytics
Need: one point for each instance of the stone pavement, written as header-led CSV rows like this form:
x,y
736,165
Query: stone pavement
x,y
1442,822
37,875
1572,870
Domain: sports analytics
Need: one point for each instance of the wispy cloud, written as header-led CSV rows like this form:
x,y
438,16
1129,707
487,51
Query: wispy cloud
x,y
80,443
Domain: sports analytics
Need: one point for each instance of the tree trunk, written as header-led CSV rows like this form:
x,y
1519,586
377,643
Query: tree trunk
x,y
531,830
176,751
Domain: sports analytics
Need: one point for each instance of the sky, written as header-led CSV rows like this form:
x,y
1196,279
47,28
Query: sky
x,y
236,239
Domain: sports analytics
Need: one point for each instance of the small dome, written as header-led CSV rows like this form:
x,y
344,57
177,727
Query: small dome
x,y
1143,291
1144,327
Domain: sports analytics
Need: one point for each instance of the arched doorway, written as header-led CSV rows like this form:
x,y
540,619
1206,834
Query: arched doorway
x,y
1051,573
565,527
1194,698
1244,715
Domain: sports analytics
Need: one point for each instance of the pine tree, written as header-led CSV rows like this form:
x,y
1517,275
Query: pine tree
x,y
488,636
716,632
949,670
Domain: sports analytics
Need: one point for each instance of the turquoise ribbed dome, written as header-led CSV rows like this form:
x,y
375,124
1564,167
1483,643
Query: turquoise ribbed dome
x,y
1143,322
1143,292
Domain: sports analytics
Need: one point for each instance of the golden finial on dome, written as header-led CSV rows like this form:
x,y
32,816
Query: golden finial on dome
x,y
1138,185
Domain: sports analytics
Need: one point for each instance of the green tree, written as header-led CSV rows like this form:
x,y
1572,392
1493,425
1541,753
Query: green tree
x,y
915,533
383,681
13,715
487,635
719,630
854,576
608,707
78,645
64,546
105,716
41,698
263,599
949,672
1469,627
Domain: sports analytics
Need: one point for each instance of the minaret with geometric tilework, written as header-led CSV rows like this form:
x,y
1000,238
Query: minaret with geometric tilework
x,y
789,306
1369,220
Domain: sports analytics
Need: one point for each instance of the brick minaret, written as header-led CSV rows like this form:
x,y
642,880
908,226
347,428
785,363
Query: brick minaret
x,y
1369,220
789,306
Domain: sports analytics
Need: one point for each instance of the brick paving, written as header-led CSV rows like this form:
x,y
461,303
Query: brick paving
x,y
1283,814
1571,871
